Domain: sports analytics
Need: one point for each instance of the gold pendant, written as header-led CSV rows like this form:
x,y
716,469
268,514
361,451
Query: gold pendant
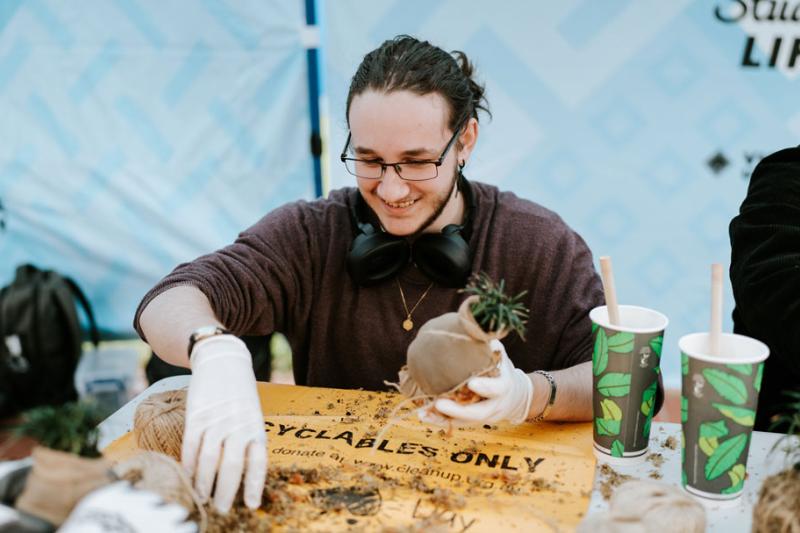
x,y
408,325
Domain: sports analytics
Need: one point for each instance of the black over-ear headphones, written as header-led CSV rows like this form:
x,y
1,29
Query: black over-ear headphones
x,y
444,257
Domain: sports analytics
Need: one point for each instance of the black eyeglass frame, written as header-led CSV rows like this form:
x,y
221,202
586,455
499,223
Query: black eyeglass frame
x,y
438,162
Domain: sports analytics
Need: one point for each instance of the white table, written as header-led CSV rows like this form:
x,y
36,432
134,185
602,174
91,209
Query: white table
x,y
720,517
724,517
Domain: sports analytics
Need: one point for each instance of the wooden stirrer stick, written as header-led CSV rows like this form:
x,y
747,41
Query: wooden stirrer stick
x,y
607,274
716,308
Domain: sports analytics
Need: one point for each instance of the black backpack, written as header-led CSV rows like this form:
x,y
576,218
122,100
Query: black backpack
x,y
40,339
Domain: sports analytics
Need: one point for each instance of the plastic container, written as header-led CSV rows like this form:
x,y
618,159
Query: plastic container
x,y
110,375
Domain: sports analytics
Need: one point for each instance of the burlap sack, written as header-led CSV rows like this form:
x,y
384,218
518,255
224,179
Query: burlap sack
x,y
58,480
447,351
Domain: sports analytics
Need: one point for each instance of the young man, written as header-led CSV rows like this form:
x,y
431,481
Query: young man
x,y
349,279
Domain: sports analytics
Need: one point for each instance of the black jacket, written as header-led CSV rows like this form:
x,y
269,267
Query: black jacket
x,y
765,274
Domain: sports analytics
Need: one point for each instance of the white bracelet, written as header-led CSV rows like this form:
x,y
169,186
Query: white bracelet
x,y
546,411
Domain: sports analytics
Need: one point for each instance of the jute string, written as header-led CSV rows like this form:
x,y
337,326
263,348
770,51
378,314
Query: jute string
x,y
158,423
161,474
645,507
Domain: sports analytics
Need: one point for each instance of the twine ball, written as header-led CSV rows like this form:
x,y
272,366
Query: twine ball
x,y
158,423
645,507
778,502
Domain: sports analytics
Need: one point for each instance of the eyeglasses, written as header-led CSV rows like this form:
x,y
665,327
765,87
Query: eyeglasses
x,y
372,169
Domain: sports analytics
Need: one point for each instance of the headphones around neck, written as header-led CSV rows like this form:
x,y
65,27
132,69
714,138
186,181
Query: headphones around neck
x,y
444,257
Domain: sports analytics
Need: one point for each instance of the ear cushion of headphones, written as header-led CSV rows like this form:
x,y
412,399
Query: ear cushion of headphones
x,y
443,257
375,257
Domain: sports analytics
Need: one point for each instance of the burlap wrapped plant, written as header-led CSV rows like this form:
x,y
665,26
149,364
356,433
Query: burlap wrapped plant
x,y
777,509
66,464
452,348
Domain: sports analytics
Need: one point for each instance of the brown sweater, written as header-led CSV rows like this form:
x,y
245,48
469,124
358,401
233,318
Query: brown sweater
x,y
287,273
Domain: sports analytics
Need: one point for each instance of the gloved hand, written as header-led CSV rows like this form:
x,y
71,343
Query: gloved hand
x,y
224,423
430,415
508,396
120,507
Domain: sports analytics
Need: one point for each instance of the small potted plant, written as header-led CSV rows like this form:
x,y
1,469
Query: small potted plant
x,y
779,498
454,347
66,462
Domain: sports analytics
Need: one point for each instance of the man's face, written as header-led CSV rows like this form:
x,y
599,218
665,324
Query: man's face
x,y
402,126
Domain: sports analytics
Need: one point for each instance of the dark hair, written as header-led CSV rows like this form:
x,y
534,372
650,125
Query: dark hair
x,y
406,63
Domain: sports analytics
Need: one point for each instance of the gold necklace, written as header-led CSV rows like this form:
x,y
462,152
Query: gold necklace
x,y
408,324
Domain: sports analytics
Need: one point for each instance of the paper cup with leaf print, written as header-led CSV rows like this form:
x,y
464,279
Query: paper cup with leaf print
x,y
625,368
719,395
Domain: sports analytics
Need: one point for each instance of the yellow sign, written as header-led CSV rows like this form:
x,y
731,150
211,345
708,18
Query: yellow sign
x,y
350,474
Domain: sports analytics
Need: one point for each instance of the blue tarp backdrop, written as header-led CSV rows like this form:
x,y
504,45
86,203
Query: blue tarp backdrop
x,y
137,134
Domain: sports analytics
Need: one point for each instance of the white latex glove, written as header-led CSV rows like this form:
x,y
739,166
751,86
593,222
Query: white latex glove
x,y
508,396
430,415
224,433
120,507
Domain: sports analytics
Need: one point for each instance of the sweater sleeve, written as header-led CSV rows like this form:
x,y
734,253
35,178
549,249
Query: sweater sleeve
x,y
579,291
255,283
533,248
765,257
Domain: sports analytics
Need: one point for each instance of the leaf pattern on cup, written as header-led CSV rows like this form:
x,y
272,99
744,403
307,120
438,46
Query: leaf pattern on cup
x,y
710,433
609,424
684,364
759,375
730,387
720,425
708,445
614,384
611,359
725,456
600,355
745,369
684,409
657,343
737,474
741,415
649,399
611,411
714,429
606,427
621,342
617,449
